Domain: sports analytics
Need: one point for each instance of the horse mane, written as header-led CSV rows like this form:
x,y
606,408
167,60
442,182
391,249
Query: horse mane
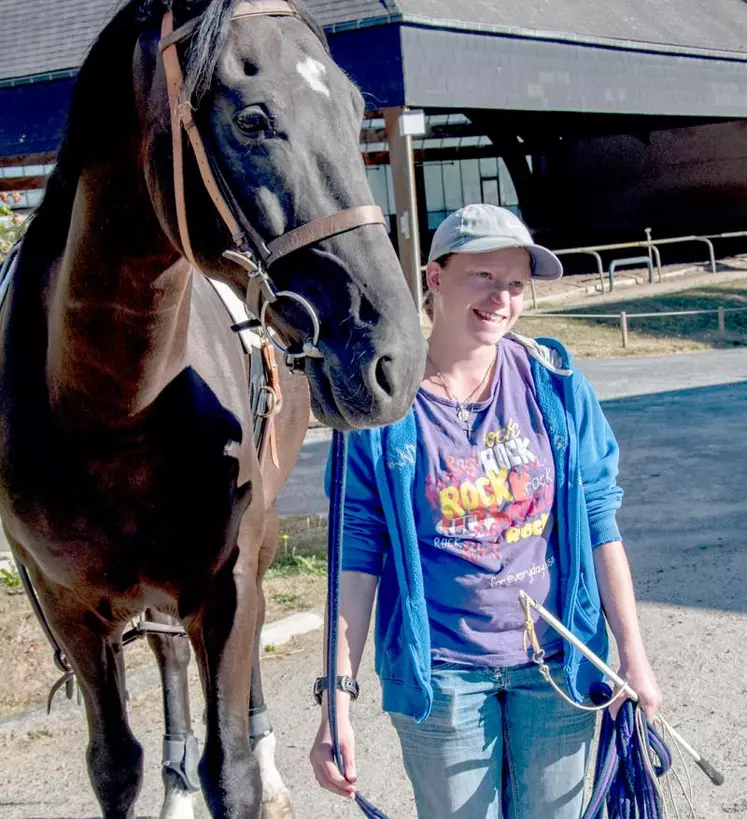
x,y
103,95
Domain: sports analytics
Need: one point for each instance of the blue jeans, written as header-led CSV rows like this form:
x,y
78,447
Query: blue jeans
x,y
499,742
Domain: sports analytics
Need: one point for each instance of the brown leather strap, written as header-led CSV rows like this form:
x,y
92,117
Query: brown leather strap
x,y
320,229
174,84
273,382
181,110
179,34
269,8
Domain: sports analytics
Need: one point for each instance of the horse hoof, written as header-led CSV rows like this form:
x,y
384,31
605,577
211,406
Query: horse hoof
x,y
279,808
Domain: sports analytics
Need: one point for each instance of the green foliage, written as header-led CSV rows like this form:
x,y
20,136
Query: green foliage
x,y
10,579
284,597
302,548
10,235
291,564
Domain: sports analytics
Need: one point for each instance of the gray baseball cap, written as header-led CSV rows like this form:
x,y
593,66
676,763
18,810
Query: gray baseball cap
x,y
481,228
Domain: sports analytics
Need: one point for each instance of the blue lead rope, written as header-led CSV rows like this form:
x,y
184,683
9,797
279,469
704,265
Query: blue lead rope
x,y
334,556
622,780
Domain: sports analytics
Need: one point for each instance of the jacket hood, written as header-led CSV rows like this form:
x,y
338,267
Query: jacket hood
x,y
547,351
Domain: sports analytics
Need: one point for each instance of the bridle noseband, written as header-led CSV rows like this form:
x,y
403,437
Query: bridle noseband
x,y
250,251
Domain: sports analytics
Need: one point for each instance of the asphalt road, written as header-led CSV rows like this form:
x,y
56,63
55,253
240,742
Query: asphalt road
x,y
680,423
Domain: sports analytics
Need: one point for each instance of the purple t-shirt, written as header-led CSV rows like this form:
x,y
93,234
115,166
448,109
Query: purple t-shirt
x,y
484,518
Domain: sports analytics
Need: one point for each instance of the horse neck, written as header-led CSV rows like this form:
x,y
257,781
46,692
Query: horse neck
x,y
118,311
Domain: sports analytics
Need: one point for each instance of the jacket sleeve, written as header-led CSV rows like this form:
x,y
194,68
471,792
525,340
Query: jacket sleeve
x,y
365,536
598,462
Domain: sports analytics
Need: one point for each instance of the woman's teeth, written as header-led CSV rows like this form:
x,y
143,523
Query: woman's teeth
x,y
493,318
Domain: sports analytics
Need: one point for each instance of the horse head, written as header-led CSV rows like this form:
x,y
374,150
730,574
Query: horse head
x,y
279,123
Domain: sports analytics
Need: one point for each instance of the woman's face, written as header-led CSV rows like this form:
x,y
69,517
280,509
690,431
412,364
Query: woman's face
x,y
480,294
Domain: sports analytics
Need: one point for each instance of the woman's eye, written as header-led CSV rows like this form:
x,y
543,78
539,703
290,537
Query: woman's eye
x,y
253,122
485,274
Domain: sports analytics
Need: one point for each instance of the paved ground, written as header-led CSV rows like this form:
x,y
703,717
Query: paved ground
x,y
680,422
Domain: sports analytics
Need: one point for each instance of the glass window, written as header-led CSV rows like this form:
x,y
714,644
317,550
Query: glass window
x,y
489,166
452,175
377,181
435,218
471,190
508,191
434,186
490,192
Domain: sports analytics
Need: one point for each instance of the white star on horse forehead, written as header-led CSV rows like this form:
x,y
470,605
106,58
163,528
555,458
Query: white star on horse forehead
x,y
314,72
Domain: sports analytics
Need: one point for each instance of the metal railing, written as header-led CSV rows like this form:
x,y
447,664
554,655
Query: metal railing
x,y
632,261
623,317
652,246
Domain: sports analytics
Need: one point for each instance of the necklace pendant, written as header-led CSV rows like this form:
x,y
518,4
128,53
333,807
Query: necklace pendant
x,y
463,414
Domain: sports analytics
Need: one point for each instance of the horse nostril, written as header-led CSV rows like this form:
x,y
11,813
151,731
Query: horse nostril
x,y
383,374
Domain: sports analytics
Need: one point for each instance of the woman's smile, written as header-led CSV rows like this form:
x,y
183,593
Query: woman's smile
x,y
489,317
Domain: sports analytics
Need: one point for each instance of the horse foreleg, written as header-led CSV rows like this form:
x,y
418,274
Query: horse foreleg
x,y
93,648
180,750
276,802
222,635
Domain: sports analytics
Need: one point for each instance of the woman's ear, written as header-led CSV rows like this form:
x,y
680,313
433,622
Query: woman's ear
x,y
433,276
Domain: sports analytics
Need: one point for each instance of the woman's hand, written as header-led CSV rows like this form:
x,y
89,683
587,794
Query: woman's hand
x,y
639,674
618,600
321,756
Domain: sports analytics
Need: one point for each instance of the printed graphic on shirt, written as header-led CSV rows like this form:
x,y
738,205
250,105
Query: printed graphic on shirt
x,y
500,495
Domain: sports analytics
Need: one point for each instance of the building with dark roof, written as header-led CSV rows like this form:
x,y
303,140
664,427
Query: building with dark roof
x,y
595,119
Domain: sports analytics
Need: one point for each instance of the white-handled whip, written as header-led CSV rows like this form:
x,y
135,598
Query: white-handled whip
x,y
528,602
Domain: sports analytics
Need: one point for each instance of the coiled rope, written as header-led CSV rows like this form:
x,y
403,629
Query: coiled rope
x,y
632,754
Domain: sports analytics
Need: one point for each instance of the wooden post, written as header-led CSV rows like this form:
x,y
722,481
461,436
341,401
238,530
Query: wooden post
x,y
721,322
405,199
534,294
624,328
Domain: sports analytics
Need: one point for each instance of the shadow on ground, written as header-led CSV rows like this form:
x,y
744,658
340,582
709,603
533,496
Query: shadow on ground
x,y
683,467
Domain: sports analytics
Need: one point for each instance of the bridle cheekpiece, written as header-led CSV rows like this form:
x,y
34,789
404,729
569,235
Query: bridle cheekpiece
x,y
250,251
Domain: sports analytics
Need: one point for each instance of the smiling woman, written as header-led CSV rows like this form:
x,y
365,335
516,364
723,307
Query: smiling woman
x,y
512,487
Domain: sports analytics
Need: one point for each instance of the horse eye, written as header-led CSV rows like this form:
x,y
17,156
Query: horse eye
x,y
250,69
252,121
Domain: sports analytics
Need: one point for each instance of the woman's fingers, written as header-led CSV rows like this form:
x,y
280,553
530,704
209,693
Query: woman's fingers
x,y
641,678
347,752
325,768
332,780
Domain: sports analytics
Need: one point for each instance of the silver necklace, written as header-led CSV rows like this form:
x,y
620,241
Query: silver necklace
x,y
464,414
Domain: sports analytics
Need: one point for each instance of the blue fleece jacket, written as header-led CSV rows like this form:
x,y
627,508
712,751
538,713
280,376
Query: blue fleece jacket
x,y
380,536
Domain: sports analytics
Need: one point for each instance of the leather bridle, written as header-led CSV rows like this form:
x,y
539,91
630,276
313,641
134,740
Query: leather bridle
x,y
251,252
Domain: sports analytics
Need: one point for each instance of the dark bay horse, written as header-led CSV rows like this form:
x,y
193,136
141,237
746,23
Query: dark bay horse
x,y
129,477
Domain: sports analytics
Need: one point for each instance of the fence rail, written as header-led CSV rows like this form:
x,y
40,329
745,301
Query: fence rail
x,y
651,245
624,316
